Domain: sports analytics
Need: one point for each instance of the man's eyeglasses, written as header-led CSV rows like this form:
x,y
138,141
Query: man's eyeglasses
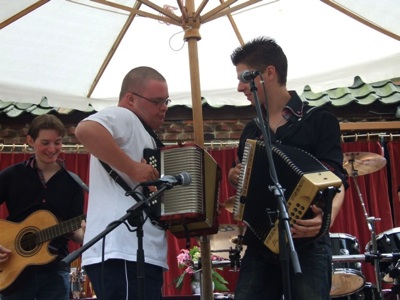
x,y
158,102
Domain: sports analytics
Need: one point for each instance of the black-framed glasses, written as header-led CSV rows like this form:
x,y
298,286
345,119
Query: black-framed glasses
x,y
158,102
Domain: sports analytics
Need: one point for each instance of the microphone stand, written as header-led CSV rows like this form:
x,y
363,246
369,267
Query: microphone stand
x,y
134,216
286,246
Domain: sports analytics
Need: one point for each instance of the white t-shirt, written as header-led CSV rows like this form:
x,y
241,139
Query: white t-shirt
x,y
107,200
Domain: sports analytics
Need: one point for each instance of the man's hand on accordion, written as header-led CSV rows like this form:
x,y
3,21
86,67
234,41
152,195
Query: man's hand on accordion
x,y
233,175
310,227
144,172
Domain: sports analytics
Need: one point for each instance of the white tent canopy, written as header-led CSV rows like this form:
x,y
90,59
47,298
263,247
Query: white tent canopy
x,y
57,49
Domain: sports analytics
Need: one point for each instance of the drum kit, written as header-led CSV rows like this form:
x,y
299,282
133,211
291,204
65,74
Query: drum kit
x,y
229,240
348,282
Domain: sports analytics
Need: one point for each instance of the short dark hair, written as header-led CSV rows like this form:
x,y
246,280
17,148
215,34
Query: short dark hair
x,y
260,53
137,78
46,122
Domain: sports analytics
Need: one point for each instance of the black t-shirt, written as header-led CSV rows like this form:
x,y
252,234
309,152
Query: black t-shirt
x,y
23,192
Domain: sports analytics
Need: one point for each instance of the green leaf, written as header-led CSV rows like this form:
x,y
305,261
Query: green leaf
x,y
220,287
218,277
219,282
179,281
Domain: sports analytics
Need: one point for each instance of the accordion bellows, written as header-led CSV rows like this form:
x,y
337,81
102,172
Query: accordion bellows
x,y
304,180
187,210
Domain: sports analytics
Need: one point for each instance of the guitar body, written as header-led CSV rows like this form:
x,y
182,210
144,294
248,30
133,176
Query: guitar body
x,y
28,242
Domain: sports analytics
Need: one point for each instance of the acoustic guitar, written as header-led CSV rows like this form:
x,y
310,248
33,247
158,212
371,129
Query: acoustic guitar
x,y
29,241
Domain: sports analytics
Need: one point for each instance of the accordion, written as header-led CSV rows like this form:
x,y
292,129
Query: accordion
x,y
187,210
305,182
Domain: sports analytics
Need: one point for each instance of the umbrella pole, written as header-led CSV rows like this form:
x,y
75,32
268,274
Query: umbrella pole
x,y
197,110
192,36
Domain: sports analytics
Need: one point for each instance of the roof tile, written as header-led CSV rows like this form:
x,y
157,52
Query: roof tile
x,y
361,93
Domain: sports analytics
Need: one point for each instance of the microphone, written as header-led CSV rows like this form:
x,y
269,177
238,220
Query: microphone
x,y
248,76
183,179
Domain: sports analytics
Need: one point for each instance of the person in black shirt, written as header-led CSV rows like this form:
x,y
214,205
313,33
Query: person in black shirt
x,y
291,122
32,190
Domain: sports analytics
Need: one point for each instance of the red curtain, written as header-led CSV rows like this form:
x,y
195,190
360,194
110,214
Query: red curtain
x,y
351,219
394,164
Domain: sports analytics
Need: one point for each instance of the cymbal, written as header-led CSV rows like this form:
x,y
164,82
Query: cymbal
x,y
226,238
229,204
362,163
387,278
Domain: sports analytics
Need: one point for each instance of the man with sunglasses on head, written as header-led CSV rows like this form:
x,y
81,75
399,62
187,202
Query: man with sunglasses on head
x,y
291,123
117,136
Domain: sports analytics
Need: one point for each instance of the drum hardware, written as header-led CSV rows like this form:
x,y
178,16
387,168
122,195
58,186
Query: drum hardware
x,y
362,163
228,242
214,264
366,257
388,242
394,276
234,254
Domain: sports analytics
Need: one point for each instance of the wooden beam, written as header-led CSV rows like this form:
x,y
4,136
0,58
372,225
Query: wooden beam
x,y
113,49
362,19
370,126
22,13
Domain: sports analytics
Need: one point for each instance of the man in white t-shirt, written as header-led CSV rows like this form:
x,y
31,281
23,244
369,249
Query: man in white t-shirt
x,y
117,136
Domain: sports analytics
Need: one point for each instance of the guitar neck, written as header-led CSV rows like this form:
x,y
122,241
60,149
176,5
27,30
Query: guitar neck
x,y
59,229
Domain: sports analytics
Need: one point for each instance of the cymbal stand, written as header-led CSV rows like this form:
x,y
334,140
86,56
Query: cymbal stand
x,y
234,254
371,226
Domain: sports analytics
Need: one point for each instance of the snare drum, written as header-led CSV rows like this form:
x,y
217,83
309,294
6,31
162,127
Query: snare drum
x,y
347,277
387,242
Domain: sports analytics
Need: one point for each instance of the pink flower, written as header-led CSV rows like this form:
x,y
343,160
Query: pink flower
x,y
186,260
189,270
183,258
214,258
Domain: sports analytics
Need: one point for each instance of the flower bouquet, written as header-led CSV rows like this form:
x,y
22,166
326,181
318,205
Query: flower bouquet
x,y
186,260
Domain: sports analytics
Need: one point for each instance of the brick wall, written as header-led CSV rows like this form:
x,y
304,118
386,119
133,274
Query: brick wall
x,y
218,131
213,130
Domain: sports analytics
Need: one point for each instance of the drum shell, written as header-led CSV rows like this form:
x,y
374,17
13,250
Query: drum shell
x,y
387,242
347,277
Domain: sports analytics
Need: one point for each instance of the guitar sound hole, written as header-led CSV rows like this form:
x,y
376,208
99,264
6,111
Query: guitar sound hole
x,y
26,243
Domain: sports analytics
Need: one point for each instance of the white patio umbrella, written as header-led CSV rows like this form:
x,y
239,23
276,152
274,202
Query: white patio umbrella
x,y
76,52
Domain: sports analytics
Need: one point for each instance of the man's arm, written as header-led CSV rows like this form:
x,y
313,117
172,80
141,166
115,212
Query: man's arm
x,y
100,143
337,204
